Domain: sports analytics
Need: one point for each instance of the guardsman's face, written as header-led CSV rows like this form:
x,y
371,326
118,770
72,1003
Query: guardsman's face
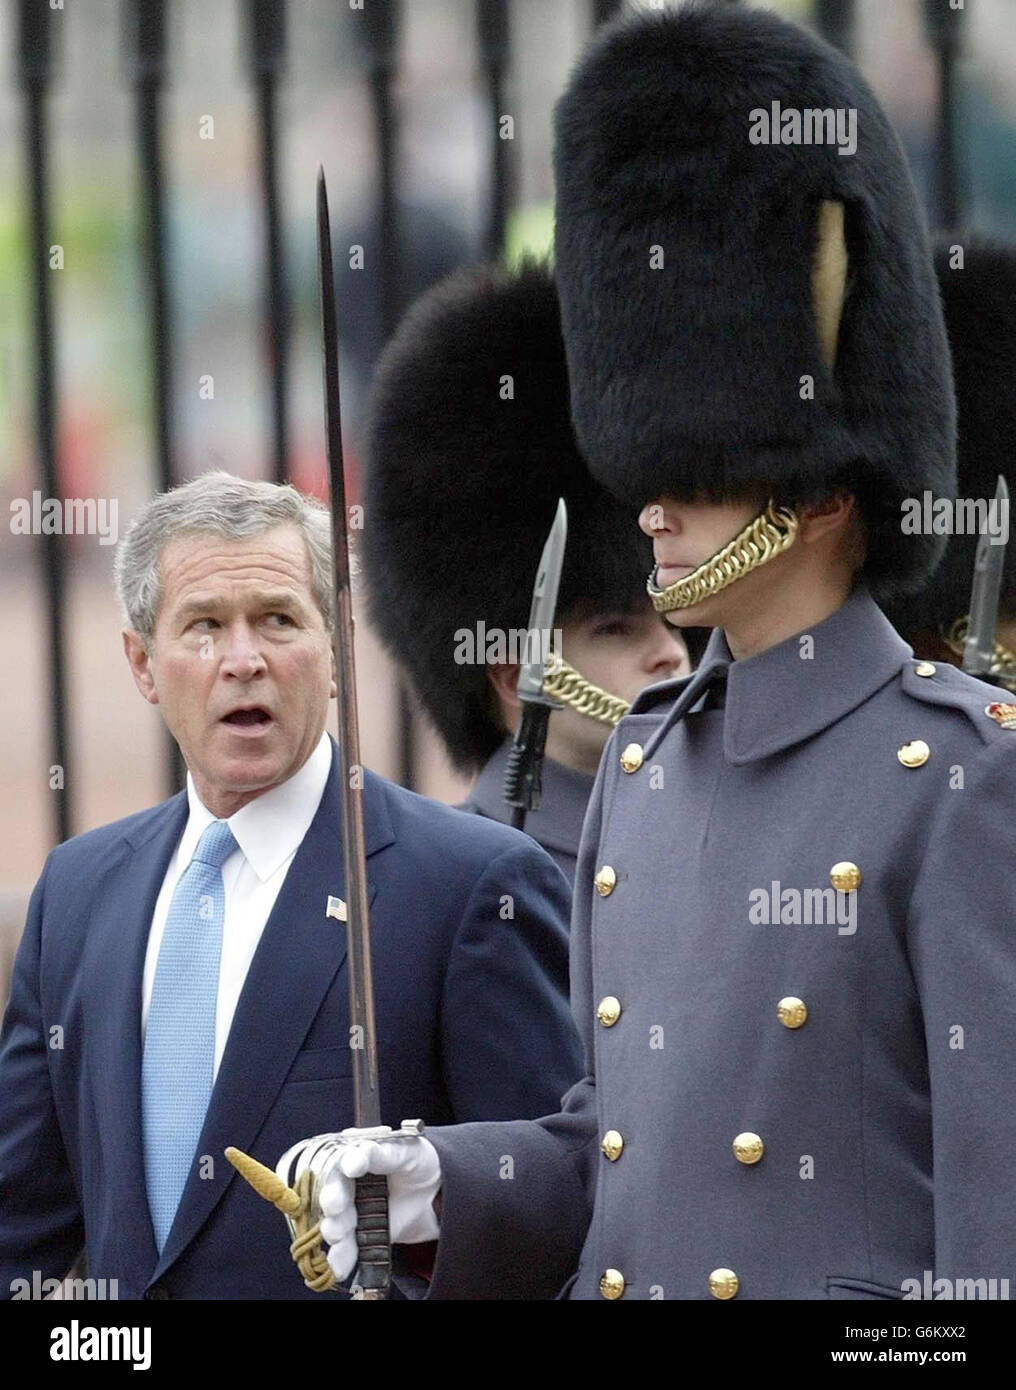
x,y
625,652
684,536
240,663
621,653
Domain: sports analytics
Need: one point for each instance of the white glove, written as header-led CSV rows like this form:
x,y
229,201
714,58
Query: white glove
x,y
414,1180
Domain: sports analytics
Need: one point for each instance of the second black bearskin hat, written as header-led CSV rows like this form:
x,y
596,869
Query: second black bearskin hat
x,y
469,445
686,373
979,296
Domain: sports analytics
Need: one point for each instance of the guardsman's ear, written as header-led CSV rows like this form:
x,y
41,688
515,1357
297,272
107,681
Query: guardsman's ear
x,y
832,513
139,660
505,680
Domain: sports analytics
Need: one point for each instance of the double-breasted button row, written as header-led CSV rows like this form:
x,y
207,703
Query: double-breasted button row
x,y
792,1012
631,757
845,877
723,1283
914,754
605,880
748,1147
608,1011
612,1144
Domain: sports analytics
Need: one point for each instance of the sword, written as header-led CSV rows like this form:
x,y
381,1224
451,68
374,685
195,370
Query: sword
x,y
295,1186
989,562
372,1233
522,784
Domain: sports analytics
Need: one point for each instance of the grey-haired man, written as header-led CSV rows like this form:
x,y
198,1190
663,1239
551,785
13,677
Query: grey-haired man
x,y
183,958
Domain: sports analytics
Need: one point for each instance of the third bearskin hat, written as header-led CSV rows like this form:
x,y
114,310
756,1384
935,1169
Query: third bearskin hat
x,y
979,295
688,213
469,445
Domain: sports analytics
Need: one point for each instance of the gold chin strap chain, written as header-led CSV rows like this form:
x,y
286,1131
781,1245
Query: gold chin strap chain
x,y
562,682
1003,661
772,532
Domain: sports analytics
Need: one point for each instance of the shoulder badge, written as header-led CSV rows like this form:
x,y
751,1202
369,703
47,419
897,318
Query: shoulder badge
x,y
1002,713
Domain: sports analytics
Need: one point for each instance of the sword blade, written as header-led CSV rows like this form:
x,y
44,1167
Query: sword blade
x,y
363,1035
989,563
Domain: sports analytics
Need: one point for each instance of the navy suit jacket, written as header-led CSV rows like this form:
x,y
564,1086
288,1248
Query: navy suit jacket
x,y
470,961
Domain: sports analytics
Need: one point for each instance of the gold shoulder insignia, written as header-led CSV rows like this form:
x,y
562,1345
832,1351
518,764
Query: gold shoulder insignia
x,y
1002,713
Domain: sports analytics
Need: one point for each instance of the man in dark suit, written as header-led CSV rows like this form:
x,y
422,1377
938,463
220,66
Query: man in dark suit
x,y
179,987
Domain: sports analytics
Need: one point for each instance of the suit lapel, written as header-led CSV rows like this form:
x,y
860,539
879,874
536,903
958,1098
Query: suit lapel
x,y
293,968
117,943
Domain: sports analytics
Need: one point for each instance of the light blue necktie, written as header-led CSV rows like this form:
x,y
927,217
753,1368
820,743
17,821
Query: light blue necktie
x,y
179,1055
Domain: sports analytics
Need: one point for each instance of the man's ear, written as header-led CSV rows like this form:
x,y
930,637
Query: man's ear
x,y
334,689
832,513
505,680
140,663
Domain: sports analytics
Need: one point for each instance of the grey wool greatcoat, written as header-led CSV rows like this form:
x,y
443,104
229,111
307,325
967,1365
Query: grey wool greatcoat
x,y
858,1045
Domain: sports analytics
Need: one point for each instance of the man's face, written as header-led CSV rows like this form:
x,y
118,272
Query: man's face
x,y
684,536
240,663
622,653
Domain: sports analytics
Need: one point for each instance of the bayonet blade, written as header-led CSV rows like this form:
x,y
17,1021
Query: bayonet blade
x,y
543,607
989,563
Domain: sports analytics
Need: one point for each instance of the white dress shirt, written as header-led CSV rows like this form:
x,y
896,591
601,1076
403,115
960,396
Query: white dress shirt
x,y
269,830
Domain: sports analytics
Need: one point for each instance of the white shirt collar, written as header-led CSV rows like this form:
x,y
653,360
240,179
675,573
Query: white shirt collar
x,y
271,827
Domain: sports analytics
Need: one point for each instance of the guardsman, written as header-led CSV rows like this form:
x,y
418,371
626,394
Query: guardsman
x,y
469,446
793,963
978,284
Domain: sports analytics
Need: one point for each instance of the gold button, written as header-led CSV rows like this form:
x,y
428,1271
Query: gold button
x,y
612,1283
631,758
792,1012
915,753
924,668
845,877
723,1283
605,880
748,1147
608,1011
612,1144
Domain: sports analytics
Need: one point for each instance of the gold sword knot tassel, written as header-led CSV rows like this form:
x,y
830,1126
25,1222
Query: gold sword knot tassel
x,y
296,1204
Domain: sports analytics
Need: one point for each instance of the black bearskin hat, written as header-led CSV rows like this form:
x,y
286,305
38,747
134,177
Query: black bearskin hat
x,y
685,251
979,297
469,445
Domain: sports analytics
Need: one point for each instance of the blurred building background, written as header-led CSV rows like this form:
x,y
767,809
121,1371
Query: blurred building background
x,y
948,81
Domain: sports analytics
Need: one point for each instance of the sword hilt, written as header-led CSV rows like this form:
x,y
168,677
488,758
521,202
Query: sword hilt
x,y
374,1272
